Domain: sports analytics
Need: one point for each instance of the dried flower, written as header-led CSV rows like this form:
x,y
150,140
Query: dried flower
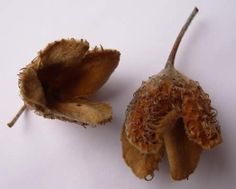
x,y
59,81
169,113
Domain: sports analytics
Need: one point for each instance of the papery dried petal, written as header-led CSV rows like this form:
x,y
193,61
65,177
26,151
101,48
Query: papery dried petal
x,y
183,155
87,111
142,164
96,68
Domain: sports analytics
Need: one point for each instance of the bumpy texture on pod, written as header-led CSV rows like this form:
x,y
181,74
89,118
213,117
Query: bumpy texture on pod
x,y
171,112
59,81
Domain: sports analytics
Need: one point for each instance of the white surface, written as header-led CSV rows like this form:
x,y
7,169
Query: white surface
x,y
40,153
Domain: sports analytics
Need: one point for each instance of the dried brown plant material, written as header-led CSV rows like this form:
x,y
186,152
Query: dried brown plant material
x,y
59,81
170,113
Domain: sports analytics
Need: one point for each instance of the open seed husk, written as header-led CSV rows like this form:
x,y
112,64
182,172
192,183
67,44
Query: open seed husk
x,y
58,83
169,112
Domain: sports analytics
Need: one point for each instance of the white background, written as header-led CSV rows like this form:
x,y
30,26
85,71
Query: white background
x,y
40,153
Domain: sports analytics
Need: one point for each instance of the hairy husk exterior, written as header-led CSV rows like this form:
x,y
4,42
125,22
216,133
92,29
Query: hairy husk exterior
x,y
173,112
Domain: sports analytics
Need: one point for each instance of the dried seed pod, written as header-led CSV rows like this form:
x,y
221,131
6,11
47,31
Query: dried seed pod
x,y
59,81
171,112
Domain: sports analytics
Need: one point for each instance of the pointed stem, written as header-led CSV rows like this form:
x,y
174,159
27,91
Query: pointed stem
x,y
171,59
10,124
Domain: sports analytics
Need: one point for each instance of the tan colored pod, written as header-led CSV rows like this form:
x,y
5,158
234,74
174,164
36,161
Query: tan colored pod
x,y
173,112
59,81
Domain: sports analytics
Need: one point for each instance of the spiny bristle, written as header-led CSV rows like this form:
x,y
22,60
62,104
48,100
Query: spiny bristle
x,y
147,115
200,118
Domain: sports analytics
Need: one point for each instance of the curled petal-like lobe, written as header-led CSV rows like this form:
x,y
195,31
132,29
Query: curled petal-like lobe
x,y
200,118
142,164
86,111
96,68
183,155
